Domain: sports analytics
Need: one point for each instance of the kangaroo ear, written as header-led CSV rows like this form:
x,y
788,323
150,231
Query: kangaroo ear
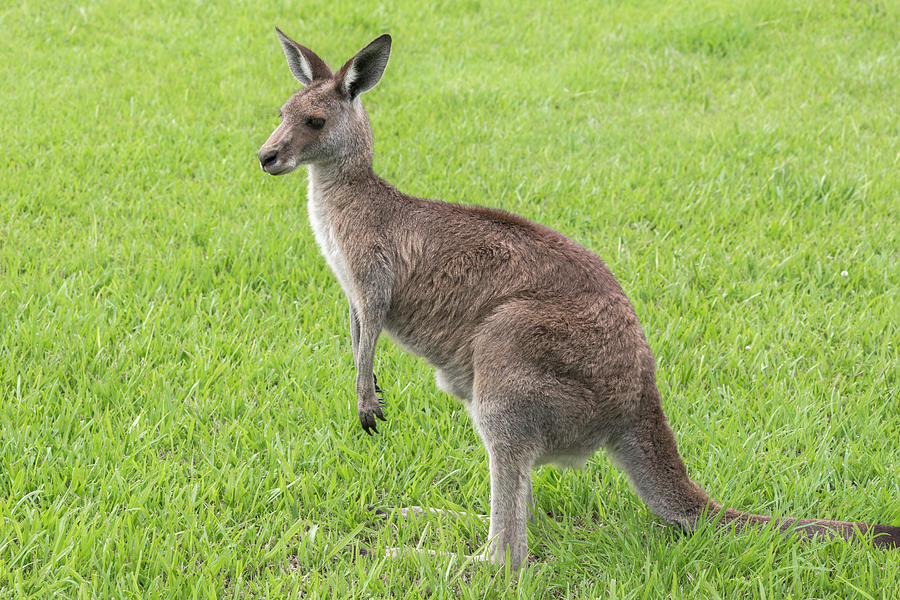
x,y
303,62
364,70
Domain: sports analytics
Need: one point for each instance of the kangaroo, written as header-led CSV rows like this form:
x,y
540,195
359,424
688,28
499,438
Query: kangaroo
x,y
529,329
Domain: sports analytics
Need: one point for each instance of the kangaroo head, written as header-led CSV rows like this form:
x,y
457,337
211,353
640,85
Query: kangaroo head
x,y
325,121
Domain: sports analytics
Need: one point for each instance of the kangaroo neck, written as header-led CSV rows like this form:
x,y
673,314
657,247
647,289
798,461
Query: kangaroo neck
x,y
334,182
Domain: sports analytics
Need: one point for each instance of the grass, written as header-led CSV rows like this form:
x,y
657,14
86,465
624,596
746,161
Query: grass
x,y
177,416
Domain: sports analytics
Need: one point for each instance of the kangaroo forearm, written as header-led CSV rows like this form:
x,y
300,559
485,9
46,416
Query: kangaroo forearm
x,y
354,331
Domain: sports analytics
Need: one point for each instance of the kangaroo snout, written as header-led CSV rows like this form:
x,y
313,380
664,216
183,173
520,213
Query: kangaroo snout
x,y
275,155
276,159
267,158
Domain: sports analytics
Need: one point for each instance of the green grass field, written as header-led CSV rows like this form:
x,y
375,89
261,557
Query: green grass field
x,y
178,411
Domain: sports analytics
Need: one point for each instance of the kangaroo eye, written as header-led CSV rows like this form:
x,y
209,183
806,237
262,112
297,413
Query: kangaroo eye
x,y
315,123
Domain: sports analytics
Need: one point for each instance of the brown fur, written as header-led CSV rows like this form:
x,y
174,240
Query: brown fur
x,y
530,329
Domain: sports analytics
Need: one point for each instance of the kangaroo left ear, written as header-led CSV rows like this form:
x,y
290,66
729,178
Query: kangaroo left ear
x,y
305,65
364,70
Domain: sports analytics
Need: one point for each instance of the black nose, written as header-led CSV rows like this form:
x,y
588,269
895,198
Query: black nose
x,y
268,159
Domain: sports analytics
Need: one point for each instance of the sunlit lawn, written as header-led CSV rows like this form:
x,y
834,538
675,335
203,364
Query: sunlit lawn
x,y
178,416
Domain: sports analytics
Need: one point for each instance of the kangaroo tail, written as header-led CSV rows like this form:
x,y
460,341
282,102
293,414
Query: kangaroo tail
x,y
883,536
646,450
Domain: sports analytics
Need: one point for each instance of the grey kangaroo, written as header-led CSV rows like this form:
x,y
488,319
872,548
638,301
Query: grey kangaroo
x,y
528,328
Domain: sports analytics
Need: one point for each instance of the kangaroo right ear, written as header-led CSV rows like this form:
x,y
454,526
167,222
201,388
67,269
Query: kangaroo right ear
x,y
303,62
364,70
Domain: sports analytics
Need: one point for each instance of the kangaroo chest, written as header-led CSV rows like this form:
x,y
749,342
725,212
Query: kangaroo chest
x,y
323,229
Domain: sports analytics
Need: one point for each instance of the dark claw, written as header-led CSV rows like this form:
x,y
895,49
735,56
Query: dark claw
x,y
378,389
367,420
367,417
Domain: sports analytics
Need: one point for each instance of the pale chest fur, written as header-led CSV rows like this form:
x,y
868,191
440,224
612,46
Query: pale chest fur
x,y
322,223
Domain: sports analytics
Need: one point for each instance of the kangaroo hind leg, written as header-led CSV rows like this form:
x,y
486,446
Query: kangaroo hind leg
x,y
510,500
505,429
